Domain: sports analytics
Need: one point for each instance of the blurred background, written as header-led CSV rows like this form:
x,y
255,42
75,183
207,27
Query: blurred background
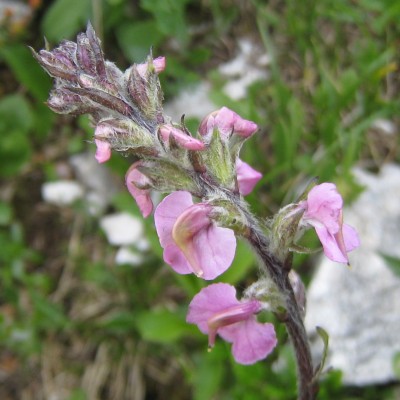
x,y
88,309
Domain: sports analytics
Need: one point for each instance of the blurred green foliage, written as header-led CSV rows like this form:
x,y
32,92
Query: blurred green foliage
x,y
332,74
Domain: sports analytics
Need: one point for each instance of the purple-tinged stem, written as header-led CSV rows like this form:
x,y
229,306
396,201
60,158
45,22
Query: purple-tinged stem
x,y
307,389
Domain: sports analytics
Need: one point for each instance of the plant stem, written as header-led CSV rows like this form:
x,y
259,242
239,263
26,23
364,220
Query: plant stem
x,y
307,389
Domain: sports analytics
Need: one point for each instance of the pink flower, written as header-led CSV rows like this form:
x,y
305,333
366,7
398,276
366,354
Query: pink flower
x,y
103,152
216,310
247,177
191,241
323,211
136,183
184,140
227,122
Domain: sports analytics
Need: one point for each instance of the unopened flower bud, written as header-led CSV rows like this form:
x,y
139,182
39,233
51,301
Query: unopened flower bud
x,y
299,291
182,138
138,185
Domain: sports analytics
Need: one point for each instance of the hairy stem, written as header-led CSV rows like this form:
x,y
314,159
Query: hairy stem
x,y
307,389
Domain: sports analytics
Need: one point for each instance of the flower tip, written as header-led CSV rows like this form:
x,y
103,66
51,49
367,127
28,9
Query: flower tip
x,y
209,348
199,273
103,152
159,64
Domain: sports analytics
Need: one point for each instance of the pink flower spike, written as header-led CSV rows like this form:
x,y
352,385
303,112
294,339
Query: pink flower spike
x,y
103,152
134,179
216,310
181,138
191,241
323,211
247,177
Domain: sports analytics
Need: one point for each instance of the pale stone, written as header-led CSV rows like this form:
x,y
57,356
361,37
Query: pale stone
x,y
122,229
248,67
194,102
62,193
127,256
101,186
359,307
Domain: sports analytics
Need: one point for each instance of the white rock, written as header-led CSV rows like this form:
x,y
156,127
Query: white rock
x,y
127,256
385,125
359,307
194,102
62,192
122,229
97,179
247,67
142,244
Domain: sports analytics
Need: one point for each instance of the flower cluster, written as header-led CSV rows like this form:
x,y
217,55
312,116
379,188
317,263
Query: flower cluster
x,y
200,219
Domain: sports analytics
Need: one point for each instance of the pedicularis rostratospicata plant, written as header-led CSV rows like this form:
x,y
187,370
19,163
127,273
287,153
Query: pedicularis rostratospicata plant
x,y
204,213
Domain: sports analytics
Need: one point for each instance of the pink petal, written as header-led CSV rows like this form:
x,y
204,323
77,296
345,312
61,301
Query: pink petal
x,y
324,205
174,257
247,177
209,301
168,212
350,236
330,245
181,138
227,122
133,179
214,248
103,152
158,63
252,340
208,249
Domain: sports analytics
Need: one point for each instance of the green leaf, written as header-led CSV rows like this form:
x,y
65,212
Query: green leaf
x,y
396,365
323,334
15,120
27,70
121,322
48,315
243,261
64,18
170,17
162,326
393,263
137,39
209,373
5,213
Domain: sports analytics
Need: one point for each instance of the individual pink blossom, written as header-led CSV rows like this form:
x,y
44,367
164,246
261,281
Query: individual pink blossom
x,y
323,211
158,64
216,310
103,151
134,180
227,122
184,140
247,177
191,241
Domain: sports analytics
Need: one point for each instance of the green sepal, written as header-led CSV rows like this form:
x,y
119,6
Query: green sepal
x,y
129,137
323,334
219,162
166,176
284,229
226,214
